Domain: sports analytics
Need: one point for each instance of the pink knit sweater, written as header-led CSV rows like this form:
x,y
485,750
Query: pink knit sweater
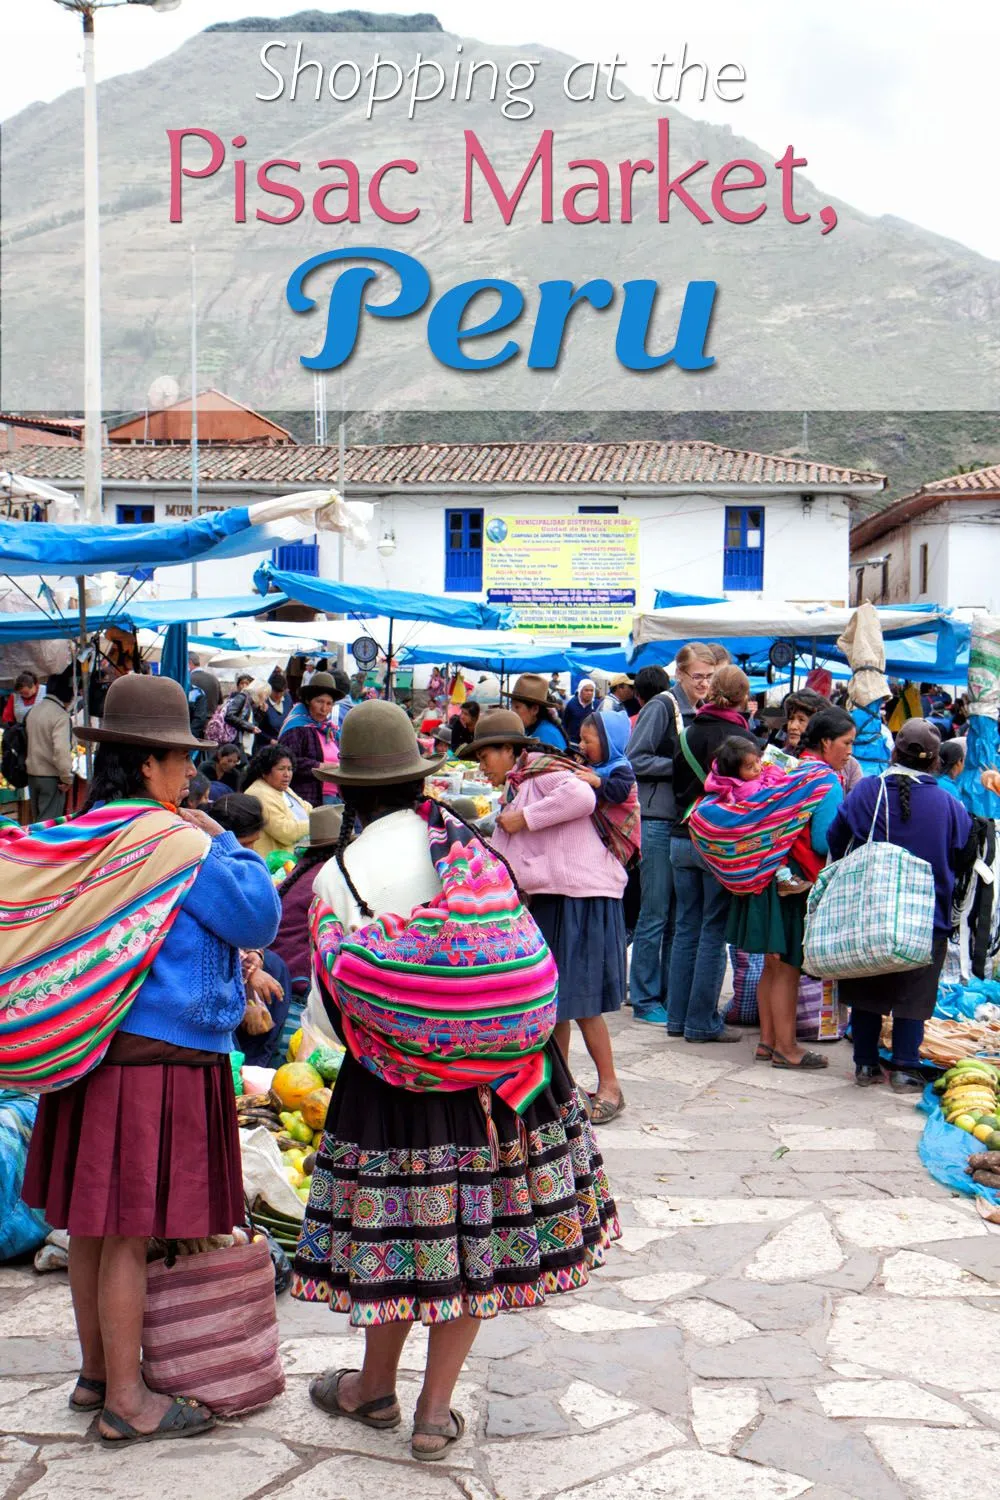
x,y
560,853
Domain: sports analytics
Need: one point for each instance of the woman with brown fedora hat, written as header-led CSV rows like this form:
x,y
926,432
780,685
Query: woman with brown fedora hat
x,y
309,734
529,698
146,1144
419,1210
546,830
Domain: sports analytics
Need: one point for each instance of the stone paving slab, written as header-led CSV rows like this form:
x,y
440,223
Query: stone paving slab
x,y
795,1308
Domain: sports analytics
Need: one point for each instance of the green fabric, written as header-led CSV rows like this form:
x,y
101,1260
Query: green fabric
x,y
691,758
769,923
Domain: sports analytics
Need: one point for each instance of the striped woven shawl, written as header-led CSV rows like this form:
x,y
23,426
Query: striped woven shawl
x,y
459,994
743,842
84,907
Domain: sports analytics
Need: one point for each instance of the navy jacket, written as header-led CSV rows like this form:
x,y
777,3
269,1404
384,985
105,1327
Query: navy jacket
x,y
939,830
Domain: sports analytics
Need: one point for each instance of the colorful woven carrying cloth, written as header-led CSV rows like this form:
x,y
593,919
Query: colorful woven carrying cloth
x,y
617,823
84,907
744,842
459,994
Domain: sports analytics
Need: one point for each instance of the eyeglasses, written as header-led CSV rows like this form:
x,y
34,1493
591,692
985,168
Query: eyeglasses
x,y
702,677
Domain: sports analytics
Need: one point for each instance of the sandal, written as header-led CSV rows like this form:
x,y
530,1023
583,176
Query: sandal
x,y
808,1060
96,1388
323,1393
763,1052
183,1419
437,1429
603,1111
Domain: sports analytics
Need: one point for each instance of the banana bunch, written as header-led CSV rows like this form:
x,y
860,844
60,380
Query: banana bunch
x,y
970,1098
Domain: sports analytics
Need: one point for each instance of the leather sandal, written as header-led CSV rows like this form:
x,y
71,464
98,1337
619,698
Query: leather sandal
x,y
96,1388
382,1413
185,1418
441,1430
763,1053
603,1111
809,1061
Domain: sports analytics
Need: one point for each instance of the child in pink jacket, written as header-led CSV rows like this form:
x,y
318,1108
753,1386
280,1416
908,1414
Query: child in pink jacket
x,y
546,832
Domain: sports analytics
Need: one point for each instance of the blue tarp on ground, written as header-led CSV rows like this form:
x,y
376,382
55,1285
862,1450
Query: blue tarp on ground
x,y
138,614
350,599
35,547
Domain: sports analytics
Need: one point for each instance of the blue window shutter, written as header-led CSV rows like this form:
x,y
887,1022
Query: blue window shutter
x,y
137,515
298,557
463,551
743,548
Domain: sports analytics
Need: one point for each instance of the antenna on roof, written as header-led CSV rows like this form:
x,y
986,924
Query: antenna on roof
x,y
319,408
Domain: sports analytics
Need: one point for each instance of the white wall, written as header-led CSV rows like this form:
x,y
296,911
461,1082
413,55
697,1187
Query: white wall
x,y
973,557
680,547
930,531
963,558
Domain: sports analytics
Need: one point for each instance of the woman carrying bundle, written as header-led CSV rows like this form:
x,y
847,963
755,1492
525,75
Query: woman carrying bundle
x,y
907,807
146,1143
433,1199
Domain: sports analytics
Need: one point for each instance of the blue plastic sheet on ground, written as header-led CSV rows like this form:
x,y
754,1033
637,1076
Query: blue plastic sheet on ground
x,y
959,1002
945,1151
21,1228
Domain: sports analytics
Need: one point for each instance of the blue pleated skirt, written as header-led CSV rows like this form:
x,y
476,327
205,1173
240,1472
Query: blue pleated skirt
x,y
587,937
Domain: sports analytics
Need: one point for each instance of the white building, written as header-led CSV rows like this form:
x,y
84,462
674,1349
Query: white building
x,y
711,520
940,545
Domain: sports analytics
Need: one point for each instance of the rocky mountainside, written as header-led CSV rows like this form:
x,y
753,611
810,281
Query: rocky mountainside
x,y
876,316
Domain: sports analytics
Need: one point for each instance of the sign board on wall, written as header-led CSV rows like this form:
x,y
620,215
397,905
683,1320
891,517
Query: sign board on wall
x,y
576,575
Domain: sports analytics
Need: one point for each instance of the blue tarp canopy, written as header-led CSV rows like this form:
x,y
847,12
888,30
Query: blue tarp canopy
x,y
35,547
350,599
152,614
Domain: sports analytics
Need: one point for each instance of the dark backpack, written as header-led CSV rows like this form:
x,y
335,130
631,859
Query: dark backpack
x,y
14,756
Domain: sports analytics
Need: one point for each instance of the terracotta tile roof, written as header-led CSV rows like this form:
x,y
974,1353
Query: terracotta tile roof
x,y
441,464
71,426
974,486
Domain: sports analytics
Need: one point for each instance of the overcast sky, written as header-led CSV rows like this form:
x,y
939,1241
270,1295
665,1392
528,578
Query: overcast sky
x,y
892,101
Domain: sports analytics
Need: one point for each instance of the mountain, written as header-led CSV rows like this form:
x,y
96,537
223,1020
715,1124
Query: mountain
x,y
877,316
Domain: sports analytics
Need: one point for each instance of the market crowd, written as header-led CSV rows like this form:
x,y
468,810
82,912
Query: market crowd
x,y
637,830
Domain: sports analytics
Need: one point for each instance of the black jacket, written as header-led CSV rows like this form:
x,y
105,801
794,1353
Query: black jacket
x,y
704,737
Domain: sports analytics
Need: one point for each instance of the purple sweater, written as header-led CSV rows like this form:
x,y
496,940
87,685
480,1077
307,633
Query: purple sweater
x,y
938,830
306,749
292,941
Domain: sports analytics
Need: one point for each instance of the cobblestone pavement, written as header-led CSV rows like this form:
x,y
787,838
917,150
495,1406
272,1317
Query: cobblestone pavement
x,y
795,1308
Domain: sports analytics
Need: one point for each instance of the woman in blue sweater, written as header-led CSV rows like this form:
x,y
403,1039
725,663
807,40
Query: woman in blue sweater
x,y
146,1145
907,807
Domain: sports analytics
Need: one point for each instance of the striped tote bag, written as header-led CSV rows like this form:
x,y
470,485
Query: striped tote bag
x,y
211,1328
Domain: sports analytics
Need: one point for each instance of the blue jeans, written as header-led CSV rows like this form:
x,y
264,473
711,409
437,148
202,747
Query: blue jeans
x,y
866,1030
654,929
698,955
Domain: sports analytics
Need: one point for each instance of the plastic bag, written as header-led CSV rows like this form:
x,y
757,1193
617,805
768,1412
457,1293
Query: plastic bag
x,y
945,1151
264,1176
21,1228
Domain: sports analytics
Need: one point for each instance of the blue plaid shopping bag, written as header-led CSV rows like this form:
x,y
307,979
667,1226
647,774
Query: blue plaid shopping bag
x,y
872,912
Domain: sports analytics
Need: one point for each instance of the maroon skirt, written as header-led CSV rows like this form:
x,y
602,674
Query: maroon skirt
x,y
139,1151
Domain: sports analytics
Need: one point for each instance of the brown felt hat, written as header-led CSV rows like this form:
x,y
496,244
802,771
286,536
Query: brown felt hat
x,y
321,682
378,746
325,824
919,740
144,711
501,726
530,687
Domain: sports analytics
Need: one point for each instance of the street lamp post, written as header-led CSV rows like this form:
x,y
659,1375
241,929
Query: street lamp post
x,y
92,412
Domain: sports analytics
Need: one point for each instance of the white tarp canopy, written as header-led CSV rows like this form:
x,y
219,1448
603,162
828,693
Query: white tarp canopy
x,y
765,617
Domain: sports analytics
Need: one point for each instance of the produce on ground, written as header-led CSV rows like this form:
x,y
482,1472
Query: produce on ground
x,y
294,1082
970,1098
295,1139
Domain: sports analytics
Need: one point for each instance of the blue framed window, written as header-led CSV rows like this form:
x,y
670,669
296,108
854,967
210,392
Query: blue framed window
x,y
743,550
137,515
298,557
463,551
